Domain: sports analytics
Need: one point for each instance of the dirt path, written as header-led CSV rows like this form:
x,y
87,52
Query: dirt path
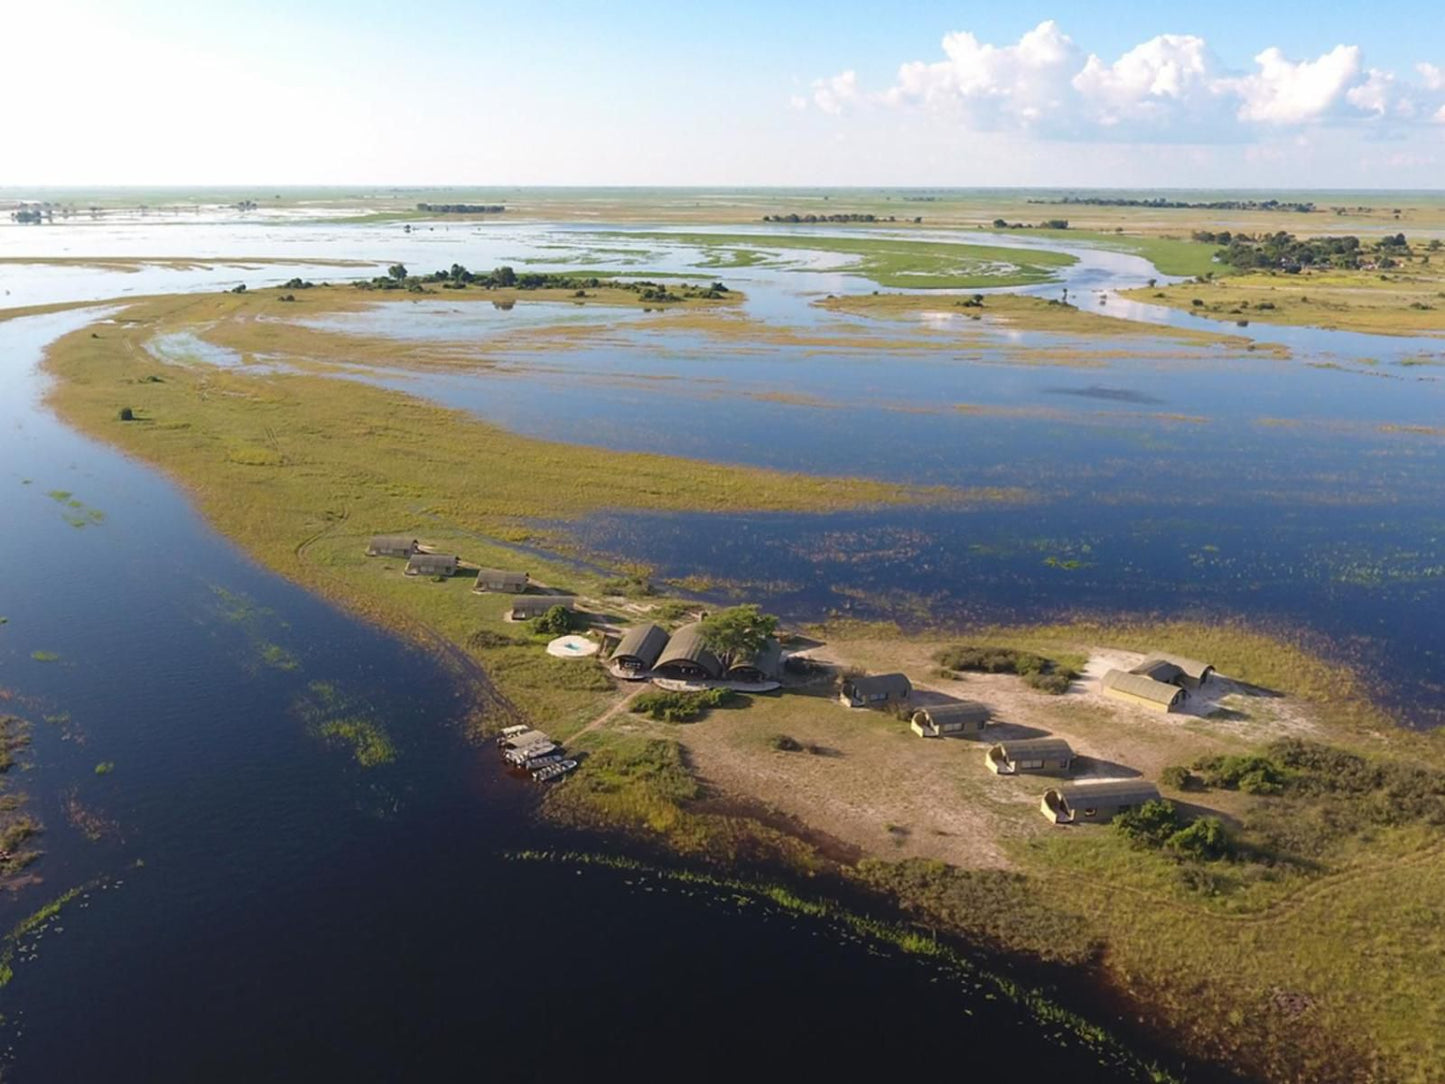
x,y
611,713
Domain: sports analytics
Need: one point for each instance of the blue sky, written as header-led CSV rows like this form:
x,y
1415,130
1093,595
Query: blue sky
x,y
1111,93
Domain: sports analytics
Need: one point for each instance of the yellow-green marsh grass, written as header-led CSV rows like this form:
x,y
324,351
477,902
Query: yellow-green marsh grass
x,y
1021,312
1409,300
301,468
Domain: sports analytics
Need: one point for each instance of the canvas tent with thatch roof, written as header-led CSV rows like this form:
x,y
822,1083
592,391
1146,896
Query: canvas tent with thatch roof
x,y
496,579
876,690
957,718
391,545
1081,803
758,667
1142,691
432,564
1030,756
1175,670
687,657
638,650
526,607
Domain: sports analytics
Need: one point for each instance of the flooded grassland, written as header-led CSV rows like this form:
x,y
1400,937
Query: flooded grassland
x,y
926,468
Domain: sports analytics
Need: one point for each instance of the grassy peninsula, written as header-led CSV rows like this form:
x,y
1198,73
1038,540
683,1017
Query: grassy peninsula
x,y
1294,952
301,468
887,261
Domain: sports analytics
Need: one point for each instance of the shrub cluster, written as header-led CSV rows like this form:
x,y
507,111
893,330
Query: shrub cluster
x,y
1038,672
680,707
1158,825
558,621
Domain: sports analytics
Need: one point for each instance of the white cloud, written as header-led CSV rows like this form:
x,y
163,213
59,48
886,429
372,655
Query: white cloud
x,y
1283,92
833,95
1169,88
1165,79
998,86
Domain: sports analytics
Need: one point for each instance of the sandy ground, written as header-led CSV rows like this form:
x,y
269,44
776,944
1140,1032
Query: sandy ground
x,y
867,781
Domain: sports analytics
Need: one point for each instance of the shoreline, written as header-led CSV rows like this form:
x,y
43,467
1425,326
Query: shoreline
x,y
351,584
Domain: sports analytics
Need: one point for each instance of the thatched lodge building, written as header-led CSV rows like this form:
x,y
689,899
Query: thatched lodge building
x,y
688,658
498,580
1030,756
638,650
876,690
1175,670
526,607
392,545
1098,803
431,564
956,719
759,668
1142,691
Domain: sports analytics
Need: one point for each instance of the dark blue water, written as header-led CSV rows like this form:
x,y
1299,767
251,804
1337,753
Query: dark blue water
x,y
259,905
1215,483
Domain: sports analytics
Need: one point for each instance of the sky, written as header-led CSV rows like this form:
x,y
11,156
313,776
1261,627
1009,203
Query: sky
x,y
1104,94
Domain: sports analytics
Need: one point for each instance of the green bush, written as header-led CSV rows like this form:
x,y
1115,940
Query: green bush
x,y
1151,825
558,621
1250,773
1180,778
1055,683
1038,672
630,586
680,707
127,414
1205,840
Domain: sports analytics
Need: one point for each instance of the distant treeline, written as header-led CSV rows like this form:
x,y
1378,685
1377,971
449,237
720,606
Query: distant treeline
x,y
1046,224
1289,253
1184,205
833,218
458,277
28,214
461,208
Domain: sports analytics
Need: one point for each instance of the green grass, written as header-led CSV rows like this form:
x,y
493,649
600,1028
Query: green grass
x,y
1170,255
894,263
353,460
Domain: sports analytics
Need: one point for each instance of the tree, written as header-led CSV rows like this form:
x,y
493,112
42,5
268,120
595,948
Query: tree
x,y
558,621
1205,839
397,271
738,631
504,276
1151,824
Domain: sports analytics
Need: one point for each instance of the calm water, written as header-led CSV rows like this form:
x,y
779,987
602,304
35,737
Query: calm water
x,y
1303,493
262,907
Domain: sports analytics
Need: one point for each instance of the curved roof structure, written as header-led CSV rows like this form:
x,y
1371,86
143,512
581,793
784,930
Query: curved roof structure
x,y
1195,671
1107,792
893,685
497,579
431,564
956,711
1142,687
391,545
686,650
642,644
1034,749
767,662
